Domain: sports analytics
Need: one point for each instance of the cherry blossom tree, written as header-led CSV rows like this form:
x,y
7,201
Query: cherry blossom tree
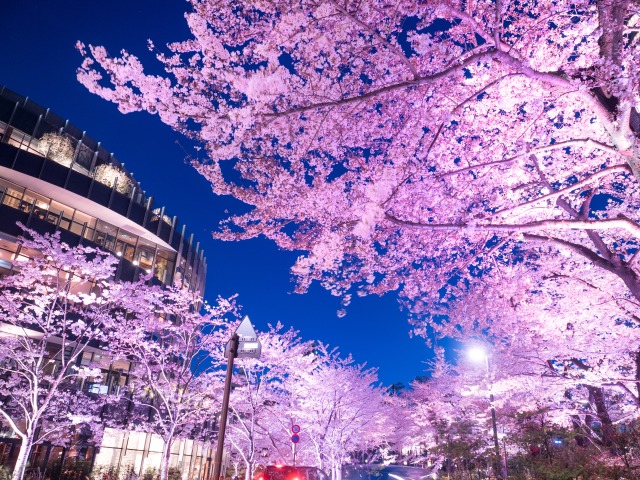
x,y
561,344
435,405
341,409
261,399
54,306
566,333
339,406
173,350
456,397
431,148
449,412
401,145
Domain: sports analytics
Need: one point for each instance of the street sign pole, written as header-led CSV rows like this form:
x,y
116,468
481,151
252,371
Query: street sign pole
x,y
233,351
294,454
243,343
295,438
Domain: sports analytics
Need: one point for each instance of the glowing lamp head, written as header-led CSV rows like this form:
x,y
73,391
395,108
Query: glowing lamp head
x,y
477,354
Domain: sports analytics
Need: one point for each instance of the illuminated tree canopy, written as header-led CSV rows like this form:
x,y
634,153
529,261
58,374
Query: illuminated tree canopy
x,y
402,144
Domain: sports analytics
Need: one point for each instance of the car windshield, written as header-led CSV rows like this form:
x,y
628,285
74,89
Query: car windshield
x,y
294,473
385,472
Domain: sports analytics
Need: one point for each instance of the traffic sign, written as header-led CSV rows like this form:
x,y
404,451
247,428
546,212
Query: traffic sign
x,y
248,343
243,343
295,429
295,438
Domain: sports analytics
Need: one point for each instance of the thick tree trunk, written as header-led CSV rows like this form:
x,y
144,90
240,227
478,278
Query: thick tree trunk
x,y
336,472
638,373
597,399
23,458
611,14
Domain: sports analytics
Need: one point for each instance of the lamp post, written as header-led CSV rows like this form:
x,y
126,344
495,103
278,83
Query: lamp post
x,y
478,355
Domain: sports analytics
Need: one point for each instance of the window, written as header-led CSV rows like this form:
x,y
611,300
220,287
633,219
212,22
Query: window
x,y
105,235
163,268
86,359
126,245
145,255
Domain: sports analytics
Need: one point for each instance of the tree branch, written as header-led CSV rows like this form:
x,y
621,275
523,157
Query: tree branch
x,y
424,80
381,39
535,226
622,271
583,142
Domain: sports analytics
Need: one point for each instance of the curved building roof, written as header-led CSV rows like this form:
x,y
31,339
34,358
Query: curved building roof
x,y
55,177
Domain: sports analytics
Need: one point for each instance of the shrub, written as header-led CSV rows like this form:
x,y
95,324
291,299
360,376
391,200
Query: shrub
x,y
109,175
57,147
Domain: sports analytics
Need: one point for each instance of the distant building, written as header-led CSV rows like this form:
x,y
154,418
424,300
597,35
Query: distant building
x,y
54,177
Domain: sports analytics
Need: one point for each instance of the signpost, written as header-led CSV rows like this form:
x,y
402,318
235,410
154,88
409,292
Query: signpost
x,y
295,438
249,345
243,343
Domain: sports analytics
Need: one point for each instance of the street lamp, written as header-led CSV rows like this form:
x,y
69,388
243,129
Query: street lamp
x,y
478,355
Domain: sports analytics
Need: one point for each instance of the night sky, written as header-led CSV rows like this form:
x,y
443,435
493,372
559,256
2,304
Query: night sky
x,y
38,60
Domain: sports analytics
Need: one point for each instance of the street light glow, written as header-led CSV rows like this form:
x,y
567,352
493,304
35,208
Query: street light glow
x,y
477,354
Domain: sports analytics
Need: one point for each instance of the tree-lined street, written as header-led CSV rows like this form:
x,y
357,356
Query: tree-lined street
x,y
478,160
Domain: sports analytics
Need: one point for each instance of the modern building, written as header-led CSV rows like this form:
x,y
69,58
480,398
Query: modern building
x,y
54,177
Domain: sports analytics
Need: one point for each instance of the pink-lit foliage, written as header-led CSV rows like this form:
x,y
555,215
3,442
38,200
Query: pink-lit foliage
x,y
571,335
436,406
561,344
454,405
480,158
401,143
175,391
56,305
260,403
61,302
567,397
342,410
339,406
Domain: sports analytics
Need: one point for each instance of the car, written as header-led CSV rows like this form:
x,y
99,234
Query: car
x,y
289,472
386,472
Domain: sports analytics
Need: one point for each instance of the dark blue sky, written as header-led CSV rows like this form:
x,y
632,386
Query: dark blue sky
x,y
38,60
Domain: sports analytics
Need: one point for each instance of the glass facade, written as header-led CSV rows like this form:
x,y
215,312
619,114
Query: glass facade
x,y
36,142
34,129
138,251
46,148
141,451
